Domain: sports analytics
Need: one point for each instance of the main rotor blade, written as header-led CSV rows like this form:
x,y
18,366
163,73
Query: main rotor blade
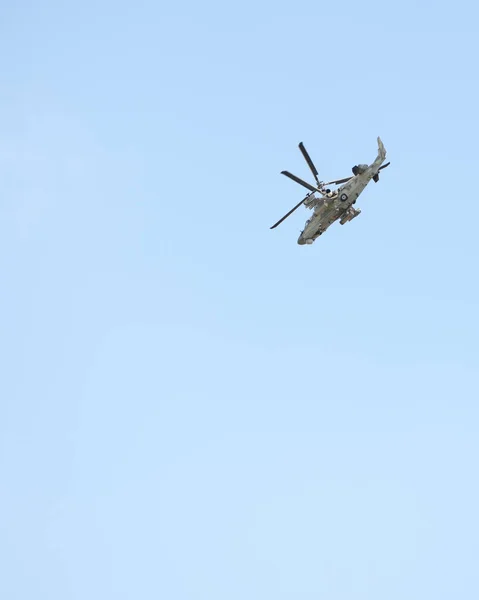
x,y
290,212
307,158
337,181
300,181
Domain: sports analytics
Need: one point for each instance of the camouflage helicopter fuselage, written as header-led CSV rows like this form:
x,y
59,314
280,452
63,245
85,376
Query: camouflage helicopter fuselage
x,y
338,204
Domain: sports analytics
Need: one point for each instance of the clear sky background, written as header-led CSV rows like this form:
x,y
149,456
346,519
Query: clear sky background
x,y
194,406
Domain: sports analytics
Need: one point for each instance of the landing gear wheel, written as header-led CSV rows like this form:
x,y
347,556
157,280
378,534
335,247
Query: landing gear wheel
x,y
343,197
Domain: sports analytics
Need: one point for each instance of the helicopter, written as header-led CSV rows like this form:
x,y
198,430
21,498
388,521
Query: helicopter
x,y
337,204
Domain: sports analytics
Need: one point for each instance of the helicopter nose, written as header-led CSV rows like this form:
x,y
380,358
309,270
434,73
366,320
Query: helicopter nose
x,y
302,241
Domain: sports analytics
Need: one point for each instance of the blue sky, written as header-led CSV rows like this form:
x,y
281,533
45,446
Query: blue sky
x,y
192,405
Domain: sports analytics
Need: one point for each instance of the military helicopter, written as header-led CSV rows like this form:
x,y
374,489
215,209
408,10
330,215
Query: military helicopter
x,y
336,204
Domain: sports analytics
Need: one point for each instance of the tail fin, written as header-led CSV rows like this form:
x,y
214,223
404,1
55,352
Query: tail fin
x,y
381,149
